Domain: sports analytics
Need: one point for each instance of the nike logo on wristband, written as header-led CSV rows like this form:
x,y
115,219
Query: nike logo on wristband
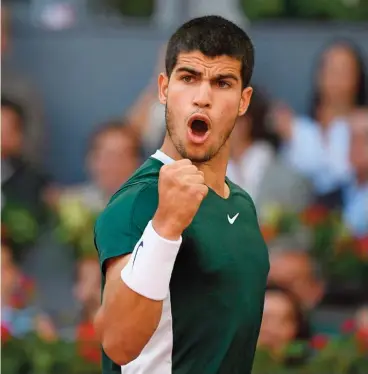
x,y
135,255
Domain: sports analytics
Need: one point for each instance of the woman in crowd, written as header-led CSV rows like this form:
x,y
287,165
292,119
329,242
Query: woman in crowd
x,y
256,167
251,149
283,322
318,145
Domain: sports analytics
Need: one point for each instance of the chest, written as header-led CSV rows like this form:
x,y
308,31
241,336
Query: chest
x,y
223,249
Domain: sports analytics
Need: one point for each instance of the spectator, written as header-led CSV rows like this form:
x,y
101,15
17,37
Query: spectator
x,y
22,184
318,145
255,166
18,314
251,150
283,321
18,89
113,155
296,271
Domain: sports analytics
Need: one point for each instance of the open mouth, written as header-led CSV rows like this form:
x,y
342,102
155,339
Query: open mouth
x,y
198,130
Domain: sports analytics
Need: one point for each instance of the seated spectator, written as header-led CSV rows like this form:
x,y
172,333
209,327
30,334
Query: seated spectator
x,y
295,270
283,321
318,145
255,166
18,315
24,188
355,196
251,151
112,157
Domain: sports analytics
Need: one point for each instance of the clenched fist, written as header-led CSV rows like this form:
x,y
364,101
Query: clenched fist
x,y
181,190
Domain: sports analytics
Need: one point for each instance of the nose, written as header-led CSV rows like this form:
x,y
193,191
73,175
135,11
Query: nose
x,y
203,96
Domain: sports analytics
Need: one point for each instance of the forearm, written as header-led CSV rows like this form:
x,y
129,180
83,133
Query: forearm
x,y
135,288
126,322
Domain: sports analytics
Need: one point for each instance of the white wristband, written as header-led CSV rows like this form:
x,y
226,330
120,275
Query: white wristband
x,y
148,271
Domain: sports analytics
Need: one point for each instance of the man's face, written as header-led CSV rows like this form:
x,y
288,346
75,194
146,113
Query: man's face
x,y
294,272
203,99
112,160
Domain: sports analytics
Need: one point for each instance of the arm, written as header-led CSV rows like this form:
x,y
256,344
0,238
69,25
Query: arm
x,y
136,284
126,320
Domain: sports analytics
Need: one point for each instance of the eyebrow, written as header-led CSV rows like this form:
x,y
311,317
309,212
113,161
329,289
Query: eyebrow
x,y
186,69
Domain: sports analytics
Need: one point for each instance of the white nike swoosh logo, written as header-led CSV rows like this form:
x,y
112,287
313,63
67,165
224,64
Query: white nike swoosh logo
x,y
232,220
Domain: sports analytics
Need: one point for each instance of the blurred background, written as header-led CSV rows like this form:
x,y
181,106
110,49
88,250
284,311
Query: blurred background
x,y
79,113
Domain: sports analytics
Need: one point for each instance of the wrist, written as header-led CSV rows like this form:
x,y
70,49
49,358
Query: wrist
x,y
167,229
148,271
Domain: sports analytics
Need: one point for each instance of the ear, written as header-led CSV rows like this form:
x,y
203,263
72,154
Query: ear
x,y
245,100
163,85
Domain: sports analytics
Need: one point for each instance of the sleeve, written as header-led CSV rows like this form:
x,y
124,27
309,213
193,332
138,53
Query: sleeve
x,y
122,223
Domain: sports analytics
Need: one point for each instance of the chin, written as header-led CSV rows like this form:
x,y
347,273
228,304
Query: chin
x,y
197,155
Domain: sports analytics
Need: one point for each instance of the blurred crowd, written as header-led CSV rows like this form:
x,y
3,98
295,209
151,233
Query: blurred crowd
x,y
288,163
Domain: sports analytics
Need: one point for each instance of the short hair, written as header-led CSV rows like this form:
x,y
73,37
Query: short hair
x,y
288,245
14,107
213,36
118,125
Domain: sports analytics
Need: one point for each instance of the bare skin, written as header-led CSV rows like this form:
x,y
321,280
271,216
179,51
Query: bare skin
x,y
199,85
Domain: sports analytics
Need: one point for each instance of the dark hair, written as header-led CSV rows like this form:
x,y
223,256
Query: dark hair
x,y
213,36
258,113
361,94
303,328
14,107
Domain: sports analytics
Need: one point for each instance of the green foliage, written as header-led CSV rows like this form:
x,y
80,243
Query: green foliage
x,y
354,10
32,355
75,226
342,257
339,356
127,8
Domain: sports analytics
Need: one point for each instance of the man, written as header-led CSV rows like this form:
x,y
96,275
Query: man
x,y
111,143
197,309
16,171
295,270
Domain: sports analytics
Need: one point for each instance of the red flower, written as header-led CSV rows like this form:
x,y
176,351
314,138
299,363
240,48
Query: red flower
x,y
23,293
319,342
268,233
362,338
5,334
348,326
362,247
315,215
88,344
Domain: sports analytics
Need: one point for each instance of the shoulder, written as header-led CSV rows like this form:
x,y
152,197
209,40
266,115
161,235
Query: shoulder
x,y
243,196
122,222
131,202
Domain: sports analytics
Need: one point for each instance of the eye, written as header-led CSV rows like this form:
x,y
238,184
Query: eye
x,y
187,78
223,84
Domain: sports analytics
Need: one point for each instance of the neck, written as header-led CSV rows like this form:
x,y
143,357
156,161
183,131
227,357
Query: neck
x,y
328,111
214,170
